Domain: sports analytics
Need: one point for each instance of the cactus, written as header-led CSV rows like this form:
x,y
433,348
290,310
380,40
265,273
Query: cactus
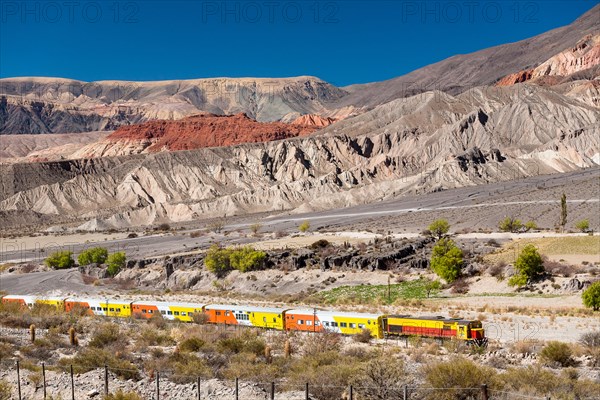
x,y
73,337
32,332
287,349
268,356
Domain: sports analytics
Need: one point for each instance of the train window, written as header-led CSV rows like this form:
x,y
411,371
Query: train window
x,y
309,323
300,322
227,313
352,325
163,312
118,310
317,323
143,311
326,323
361,326
176,312
274,319
93,308
183,313
104,309
369,322
112,309
170,312
343,324
150,311
334,324
218,313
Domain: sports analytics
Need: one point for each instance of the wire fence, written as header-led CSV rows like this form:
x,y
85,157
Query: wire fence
x,y
42,381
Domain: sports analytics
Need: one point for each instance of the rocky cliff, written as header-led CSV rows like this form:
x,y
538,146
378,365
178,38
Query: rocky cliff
x,y
50,105
427,142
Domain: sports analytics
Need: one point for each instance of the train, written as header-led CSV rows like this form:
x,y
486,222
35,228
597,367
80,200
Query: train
x,y
284,319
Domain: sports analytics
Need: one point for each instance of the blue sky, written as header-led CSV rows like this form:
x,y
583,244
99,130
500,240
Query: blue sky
x,y
342,42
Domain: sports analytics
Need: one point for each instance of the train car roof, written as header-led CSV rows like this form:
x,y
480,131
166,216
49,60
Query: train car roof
x,y
97,300
168,303
232,307
329,313
460,321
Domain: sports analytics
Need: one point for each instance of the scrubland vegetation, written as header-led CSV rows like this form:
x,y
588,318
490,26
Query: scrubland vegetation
x,y
138,349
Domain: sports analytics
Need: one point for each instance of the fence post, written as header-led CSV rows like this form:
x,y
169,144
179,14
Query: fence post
x,y
350,393
272,390
405,392
72,384
19,379
105,380
44,378
306,391
198,385
484,392
237,389
157,385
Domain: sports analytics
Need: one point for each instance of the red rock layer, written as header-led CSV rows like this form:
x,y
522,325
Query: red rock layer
x,y
207,131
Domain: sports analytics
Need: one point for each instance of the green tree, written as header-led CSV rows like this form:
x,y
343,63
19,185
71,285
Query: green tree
x,y
530,226
447,260
115,262
96,255
563,211
439,227
217,260
304,226
60,260
529,265
583,225
247,259
510,224
591,296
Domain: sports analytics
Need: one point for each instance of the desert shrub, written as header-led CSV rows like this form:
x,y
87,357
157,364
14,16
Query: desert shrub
x,y
322,342
96,255
381,378
187,367
60,260
327,373
591,296
497,270
457,375
510,224
447,259
6,351
5,390
558,268
191,344
91,358
557,353
237,345
460,286
524,347
121,395
304,227
108,334
247,259
150,336
364,336
164,227
439,227
249,366
320,244
255,228
531,380
528,266
217,260
115,262
590,339
583,225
